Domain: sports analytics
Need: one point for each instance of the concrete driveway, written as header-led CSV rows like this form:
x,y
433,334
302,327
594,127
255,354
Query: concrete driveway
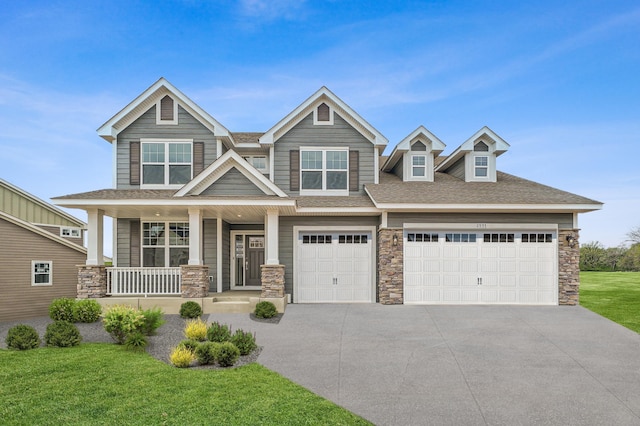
x,y
459,365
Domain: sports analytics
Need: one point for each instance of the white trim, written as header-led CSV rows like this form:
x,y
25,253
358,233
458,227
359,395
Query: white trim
x,y
496,144
317,122
303,228
272,163
249,159
114,165
95,237
324,191
436,146
33,273
271,227
219,254
482,226
575,221
232,258
376,165
166,142
218,148
159,120
179,201
195,237
70,229
384,220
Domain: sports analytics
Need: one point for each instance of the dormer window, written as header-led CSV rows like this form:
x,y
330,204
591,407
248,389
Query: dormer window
x,y
259,162
418,166
323,115
481,166
481,163
167,111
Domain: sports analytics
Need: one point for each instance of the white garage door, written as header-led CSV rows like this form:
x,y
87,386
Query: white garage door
x,y
333,267
480,268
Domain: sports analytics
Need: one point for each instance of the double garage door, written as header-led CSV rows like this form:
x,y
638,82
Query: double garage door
x,y
480,267
334,267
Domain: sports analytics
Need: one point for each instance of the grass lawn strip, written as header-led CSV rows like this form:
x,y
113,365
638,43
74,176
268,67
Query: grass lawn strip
x,y
104,384
614,295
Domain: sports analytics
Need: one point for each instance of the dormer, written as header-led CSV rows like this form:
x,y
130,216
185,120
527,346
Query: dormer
x,y
413,158
475,159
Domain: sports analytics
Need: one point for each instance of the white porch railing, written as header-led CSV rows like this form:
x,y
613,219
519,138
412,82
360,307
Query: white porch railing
x,y
146,281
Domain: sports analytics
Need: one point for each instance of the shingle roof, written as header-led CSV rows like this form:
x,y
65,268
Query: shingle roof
x,y
347,201
246,137
447,189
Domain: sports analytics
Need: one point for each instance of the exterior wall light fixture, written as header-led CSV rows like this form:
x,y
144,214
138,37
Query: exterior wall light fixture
x,y
395,240
571,240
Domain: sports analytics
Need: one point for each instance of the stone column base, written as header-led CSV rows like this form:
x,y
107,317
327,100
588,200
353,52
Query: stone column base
x,y
92,281
568,268
194,281
390,272
272,277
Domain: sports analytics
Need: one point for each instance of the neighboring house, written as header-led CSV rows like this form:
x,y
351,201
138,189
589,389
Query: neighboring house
x,y
40,250
311,209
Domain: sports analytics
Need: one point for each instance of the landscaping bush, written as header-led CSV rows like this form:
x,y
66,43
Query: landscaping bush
x,y
22,337
86,310
265,309
121,320
62,334
153,319
136,342
244,341
218,332
196,329
190,310
206,352
181,357
189,344
62,309
226,354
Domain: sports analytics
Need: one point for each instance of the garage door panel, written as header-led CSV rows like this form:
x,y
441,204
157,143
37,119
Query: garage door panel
x,y
451,280
450,296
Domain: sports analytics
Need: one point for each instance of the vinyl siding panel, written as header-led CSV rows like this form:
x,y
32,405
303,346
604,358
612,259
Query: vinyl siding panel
x,y
123,243
23,208
563,220
233,183
210,248
457,169
305,134
145,127
397,169
18,248
55,230
286,237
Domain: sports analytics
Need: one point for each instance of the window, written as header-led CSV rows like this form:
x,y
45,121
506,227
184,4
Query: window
x,y
352,239
161,248
70,232
166,163
316,239
167,111
422,237
259,162
323,115
537,238
481,166
41,271
460,238
324,170
499,238
418,165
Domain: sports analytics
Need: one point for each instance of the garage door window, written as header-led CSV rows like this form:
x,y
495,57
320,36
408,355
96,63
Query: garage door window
x,y
460,238
537,238
420,237
499,238
352,239
316,239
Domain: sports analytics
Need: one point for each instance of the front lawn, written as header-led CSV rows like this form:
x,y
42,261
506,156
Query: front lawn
x,y
104,384
614,295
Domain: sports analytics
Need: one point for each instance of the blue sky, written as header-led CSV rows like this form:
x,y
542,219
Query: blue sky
x,y
559,81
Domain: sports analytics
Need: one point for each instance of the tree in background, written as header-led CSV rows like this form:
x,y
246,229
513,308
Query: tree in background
x,y
634,235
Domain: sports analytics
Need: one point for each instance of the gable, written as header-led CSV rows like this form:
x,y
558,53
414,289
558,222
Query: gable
x,y
233,182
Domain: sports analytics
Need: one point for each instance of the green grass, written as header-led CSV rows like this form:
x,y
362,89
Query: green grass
x,y
101,384
614,295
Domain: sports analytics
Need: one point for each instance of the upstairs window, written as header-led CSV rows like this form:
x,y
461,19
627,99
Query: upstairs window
x,y
418,165
481,166
167,111
324,170
259,162
166,163
70,232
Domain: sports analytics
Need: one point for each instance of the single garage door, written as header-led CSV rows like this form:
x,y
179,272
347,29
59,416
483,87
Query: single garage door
x,y
480,267
333,267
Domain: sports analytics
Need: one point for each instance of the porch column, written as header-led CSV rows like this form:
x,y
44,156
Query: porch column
x,y
272,235
95,250
195,237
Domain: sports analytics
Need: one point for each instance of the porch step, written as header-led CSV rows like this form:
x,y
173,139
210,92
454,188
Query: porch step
x,y
228,305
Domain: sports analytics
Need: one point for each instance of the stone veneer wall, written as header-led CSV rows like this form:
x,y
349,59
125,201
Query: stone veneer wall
x,y
272,280
390,274
92,281
568,268
194,281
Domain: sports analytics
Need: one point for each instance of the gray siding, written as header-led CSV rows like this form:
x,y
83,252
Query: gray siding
x,y
123,244
233,183
457,169
210,247
563,220
18,247
145,127
286,237
305,134
397,169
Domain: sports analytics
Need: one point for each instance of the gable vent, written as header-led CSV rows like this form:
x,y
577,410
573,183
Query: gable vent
x,y
323,112
166,108
481,147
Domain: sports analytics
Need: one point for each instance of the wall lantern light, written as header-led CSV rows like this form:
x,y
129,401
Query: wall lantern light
x,y
395,240
571,240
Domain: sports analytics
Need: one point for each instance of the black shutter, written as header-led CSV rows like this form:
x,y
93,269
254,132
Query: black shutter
x,y
294,166
134,243
134,163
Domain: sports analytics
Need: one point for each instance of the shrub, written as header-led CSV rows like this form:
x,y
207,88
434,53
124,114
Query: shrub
x,y
62,334
86,310
265,309
206,352
181,357
136,342
190,310
244,341
218,332
121,320
189,344
62,309
226,354
196,329
153,319
22,337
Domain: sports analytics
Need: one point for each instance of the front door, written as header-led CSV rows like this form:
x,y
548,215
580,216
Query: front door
x,y
247,256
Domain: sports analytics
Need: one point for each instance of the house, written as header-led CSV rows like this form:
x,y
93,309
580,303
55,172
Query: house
x,y
312,211
40,250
